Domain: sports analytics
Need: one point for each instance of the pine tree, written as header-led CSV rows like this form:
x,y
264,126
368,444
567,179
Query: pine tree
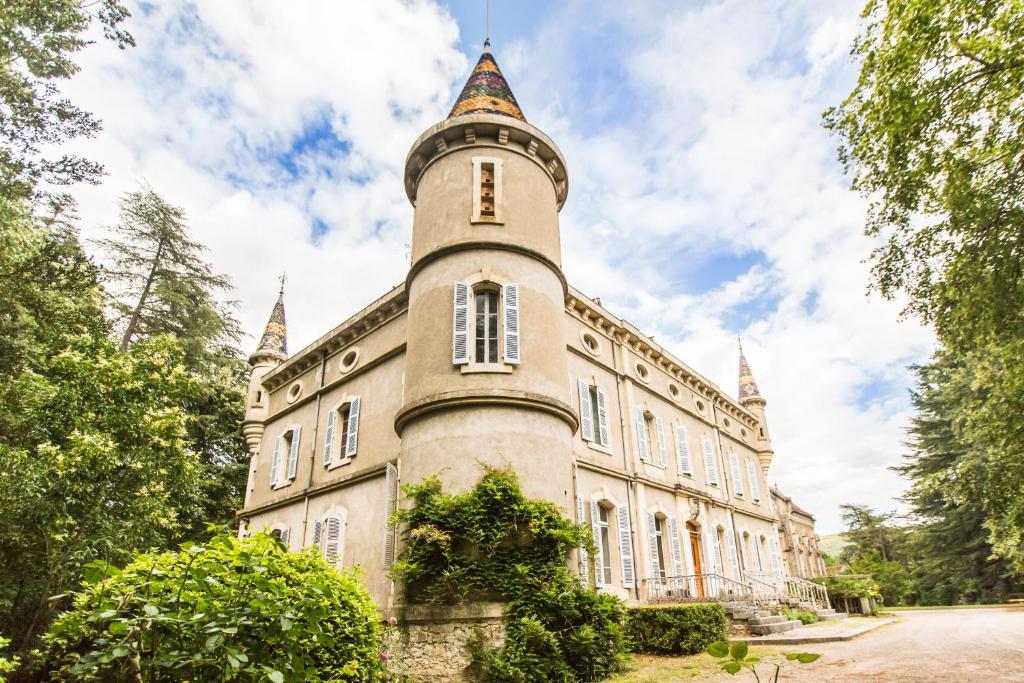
x,y
161,284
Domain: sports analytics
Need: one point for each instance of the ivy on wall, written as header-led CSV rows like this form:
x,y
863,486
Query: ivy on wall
x,y
491,543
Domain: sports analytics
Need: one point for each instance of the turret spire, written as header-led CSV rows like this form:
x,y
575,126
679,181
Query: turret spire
x,y
748,387
487,91
274,342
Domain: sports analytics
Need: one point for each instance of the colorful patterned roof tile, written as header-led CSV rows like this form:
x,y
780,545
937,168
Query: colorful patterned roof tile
x,y
275,336
487,91
748,387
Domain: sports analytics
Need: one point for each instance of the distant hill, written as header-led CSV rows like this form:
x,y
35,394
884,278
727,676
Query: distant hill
x,y
832,544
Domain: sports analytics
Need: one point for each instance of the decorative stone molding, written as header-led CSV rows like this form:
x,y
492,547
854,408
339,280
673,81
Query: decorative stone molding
x,y
486,130
497,397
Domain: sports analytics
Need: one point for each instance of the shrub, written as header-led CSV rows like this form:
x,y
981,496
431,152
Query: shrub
x,y
492,543
849,586
243,610
675,629
804,616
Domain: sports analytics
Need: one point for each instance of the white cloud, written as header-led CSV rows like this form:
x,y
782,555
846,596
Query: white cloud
x,y
704,143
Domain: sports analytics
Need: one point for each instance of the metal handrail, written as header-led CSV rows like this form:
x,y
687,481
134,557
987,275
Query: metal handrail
x,y
763,592
695,587
807,591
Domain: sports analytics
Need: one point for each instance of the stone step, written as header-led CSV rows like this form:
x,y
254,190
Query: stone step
x,y
777,627
834,616
823,612
762,621
742,616
762,613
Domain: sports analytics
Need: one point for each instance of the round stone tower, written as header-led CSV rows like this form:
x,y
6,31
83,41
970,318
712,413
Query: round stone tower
x,y
486,377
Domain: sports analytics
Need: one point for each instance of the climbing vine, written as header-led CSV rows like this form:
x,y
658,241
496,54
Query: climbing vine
x,y
492,543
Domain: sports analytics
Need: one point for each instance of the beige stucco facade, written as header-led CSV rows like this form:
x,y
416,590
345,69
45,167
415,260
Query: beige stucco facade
x,y
797,538
485,355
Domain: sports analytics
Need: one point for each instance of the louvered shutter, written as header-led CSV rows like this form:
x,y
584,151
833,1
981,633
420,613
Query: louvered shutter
x,y
584,560
755,487
460,324
689,567
285,534
642,445
390,504
626,547
662,447
709,552
677,555
318,529
586,411
511,300
773,548
760,560
737,473
293,455
734,560
595,527
683,451
652,547
602,418
275,462
329,437
719,561
353,427
332,540
709,462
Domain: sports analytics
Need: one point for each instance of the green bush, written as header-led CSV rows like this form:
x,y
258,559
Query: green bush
x,y
239,610
492,543
804,616
848,586
675,629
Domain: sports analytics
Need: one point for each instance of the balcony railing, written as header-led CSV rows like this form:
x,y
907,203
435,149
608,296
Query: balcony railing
x,y
758,588
695,588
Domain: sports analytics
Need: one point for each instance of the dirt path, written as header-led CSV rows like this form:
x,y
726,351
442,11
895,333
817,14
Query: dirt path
x,y
933,645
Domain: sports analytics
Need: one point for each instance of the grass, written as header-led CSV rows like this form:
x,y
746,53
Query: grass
x,y
910,608
654,669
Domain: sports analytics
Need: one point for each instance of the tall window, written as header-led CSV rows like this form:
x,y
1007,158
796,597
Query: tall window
x,y
486,330
487,191
606,546
593,413
659,539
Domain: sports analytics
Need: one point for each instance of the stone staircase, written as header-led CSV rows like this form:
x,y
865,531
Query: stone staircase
x,y
759,621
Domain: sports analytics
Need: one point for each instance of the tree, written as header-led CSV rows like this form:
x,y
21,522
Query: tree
x,y
37,41
870,533
931,133
161,282
961,500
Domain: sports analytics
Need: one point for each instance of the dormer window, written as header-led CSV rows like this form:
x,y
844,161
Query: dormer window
x,y
486,190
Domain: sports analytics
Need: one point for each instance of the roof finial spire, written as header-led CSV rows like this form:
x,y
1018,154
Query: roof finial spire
x,y
282,280
487,24
748,387
274,342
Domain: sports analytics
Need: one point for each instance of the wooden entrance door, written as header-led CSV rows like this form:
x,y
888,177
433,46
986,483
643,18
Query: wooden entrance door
x,y
695,552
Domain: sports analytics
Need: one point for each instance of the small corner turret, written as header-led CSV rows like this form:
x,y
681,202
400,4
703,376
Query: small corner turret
x,y
271,352
751,399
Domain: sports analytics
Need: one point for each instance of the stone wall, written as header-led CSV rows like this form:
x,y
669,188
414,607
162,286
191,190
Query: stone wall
x,y
431,643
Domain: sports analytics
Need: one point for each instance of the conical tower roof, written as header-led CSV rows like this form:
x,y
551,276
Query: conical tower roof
x,y
487,91
274,342
748,387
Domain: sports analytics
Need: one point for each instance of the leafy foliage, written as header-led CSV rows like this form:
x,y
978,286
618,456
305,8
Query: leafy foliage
x,y
675,629
492,543
737,658
37,40
241,610
849,586
804,616
931,133
160,284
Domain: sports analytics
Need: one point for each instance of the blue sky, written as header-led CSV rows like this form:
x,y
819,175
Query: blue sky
x,y
705,201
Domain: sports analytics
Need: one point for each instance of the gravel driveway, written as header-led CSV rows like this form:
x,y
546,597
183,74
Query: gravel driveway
x,y
928,645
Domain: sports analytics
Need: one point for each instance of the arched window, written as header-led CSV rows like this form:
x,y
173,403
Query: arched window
x,y
485,330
